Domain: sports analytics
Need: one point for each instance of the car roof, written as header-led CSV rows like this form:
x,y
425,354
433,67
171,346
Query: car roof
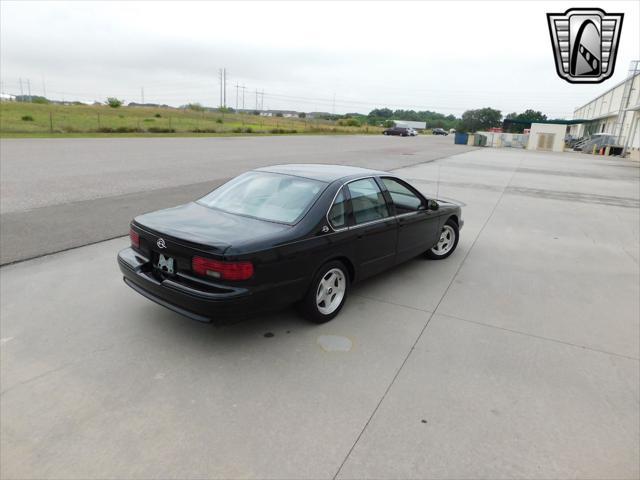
x,y
322,172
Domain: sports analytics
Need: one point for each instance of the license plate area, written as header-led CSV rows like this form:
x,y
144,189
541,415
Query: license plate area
x,y
165,264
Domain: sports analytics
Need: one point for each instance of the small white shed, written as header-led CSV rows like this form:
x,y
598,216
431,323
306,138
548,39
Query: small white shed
x,y
547,137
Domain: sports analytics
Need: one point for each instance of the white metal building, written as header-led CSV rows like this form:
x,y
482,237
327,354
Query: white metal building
x,y
616,111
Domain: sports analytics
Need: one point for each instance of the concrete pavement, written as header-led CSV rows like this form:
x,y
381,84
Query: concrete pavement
x,y
517,357
98,185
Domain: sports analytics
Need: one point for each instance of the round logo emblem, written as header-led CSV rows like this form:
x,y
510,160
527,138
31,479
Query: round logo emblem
x,y
161,243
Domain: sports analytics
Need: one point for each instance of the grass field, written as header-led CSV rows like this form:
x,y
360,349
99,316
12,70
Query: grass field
x,y
52,120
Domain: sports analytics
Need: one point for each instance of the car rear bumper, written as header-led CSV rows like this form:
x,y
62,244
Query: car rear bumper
x,y
205,303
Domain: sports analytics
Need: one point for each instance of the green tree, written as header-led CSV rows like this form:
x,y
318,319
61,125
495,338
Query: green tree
x,y
113,102
525,120
196,107
381,113
302,115
480,119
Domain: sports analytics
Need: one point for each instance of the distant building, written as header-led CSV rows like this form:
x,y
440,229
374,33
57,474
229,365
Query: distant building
x,y
410,124
147,105
312,115
279,113
6,97
615,112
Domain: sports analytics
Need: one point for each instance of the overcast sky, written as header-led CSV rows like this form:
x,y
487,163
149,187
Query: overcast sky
x,y
441,56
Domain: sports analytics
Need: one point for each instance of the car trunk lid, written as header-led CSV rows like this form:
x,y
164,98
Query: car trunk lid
x,y
203,228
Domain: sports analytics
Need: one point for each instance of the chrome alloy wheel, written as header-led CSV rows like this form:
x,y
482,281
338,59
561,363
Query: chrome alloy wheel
x,y
331,291
446,242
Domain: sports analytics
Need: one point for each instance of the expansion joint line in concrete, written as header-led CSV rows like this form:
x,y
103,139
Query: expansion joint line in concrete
x,y
435,310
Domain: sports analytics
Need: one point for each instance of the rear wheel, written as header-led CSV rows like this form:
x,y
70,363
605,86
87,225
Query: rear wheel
x,y
327,294
447,242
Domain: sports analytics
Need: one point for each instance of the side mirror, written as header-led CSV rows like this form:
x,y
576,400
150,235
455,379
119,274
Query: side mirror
x,y
432,205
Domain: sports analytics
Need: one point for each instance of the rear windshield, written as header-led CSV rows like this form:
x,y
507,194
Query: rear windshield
x,y
267,196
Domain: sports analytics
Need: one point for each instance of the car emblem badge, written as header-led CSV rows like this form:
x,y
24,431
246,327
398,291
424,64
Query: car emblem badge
x,y
585,43
161,243
325,229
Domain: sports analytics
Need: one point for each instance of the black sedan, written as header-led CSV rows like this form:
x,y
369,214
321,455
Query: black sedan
x,y
399,131
281,235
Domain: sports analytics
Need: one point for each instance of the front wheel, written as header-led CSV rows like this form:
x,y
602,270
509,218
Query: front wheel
x,y
327,294
447,242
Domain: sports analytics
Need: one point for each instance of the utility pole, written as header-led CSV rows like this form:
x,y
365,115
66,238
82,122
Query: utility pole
x,y
243,89
256,99
220,73
237,87
44,88
224,98
29,89
21,92
262,101
142,95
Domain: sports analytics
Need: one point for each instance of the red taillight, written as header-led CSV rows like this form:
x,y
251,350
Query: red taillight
x,y
135,238
222,270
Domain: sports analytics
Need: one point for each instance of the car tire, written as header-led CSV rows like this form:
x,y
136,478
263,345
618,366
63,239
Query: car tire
x,y
327,293
447,243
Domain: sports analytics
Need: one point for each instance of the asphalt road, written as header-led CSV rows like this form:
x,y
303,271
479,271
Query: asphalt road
x,y
517,357
57,194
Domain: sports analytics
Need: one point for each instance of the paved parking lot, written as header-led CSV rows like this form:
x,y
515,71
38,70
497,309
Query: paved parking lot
x,y
99,184
517,357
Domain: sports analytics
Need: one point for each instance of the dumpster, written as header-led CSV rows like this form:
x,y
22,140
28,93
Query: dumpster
x,y
480,140
471,139
461,138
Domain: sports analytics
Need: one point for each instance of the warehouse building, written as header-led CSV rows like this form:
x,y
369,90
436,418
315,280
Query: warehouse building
x,y
615,112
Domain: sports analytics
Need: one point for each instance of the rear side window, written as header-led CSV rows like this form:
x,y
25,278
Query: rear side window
x,y
367,201
337,214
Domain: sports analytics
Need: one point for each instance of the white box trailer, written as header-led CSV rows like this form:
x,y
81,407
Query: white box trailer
x,y
410,124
